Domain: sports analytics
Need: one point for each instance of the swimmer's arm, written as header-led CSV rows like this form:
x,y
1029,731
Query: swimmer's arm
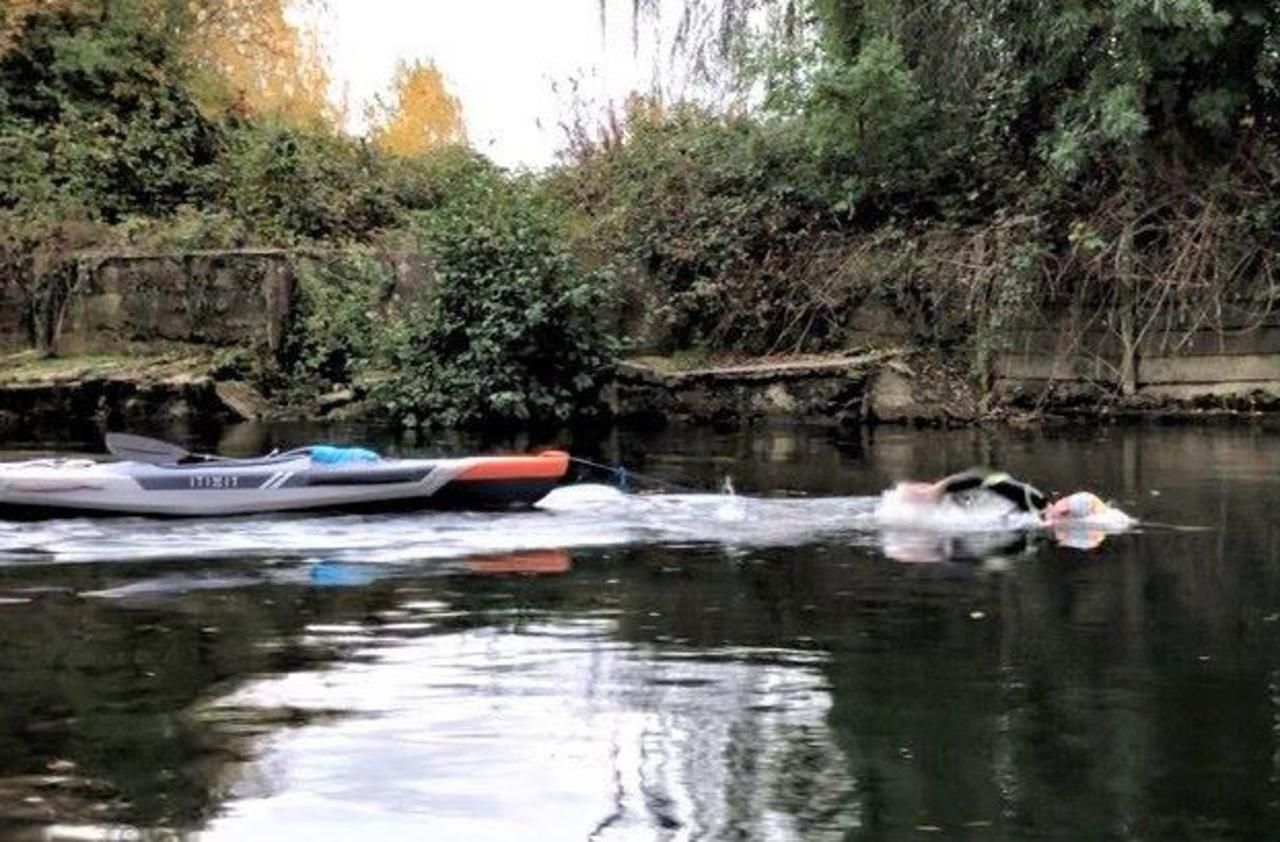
x,y
961,482
1024,496
932,492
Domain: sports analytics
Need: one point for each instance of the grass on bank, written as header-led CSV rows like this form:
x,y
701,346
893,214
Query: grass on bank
x,y
29,368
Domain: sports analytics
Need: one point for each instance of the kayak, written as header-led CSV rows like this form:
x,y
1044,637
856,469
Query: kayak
x,y
159,479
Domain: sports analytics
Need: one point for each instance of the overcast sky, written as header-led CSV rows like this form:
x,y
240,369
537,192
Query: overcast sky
x,y
500,57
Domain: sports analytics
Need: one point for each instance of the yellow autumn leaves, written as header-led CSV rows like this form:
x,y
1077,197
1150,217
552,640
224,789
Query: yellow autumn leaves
x,y
248,58
420,115
275,69
253,61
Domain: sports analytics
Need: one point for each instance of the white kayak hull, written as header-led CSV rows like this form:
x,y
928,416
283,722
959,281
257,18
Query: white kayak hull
x,y
55,487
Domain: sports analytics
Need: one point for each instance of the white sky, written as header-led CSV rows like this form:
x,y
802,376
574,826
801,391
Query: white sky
x,y
499,57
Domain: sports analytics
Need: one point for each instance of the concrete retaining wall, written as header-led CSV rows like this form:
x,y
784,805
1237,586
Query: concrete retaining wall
x,y
244,298
212,298
1237,359
831,389
239,298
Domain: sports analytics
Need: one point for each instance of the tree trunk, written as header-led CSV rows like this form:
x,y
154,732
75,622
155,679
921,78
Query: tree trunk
x,y
1128,344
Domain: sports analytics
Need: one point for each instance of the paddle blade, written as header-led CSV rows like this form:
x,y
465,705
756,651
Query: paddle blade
x,y
143,449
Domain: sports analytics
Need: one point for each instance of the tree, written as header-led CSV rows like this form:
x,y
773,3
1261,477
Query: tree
x,y
94,114
423,116
256,63
14,14
1080,83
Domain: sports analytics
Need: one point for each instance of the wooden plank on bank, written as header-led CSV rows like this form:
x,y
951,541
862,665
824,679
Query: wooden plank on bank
x,y
761,369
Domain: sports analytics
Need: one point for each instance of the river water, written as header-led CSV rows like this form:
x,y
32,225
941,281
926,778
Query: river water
x,y
766,665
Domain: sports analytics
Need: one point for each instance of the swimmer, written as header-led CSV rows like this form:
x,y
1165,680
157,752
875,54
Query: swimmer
x,y
1080,507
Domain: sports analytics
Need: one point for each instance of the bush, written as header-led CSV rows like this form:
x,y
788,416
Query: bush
x,y
708,213
306,184
339,328
188,228
510,333
94,117
865,119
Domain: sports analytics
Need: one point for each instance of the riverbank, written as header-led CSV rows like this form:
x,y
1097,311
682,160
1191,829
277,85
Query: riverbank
x,y
107,390
893,385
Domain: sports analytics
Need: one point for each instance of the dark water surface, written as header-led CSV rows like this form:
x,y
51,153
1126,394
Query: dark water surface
x,y
681,668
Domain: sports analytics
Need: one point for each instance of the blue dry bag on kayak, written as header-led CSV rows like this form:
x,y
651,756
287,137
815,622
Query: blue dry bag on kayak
x,y
327,454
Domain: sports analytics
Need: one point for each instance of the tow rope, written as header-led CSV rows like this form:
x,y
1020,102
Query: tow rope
x,y
623,477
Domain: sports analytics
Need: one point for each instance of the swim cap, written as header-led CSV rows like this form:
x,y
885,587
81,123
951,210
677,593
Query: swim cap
x,y
1082,504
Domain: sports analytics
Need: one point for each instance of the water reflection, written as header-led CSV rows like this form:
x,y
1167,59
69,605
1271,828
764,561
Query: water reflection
x,y
995,549
527,563
622,741
806,687
988,549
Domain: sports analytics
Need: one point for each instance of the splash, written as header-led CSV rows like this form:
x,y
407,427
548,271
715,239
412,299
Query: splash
x,y
577,516
569,517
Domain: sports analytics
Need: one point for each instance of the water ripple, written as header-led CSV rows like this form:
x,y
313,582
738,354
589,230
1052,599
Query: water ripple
x,y
682,520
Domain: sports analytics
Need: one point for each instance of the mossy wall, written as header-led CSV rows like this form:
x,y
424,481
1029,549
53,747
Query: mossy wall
x,y
1233,361
221,299
214,298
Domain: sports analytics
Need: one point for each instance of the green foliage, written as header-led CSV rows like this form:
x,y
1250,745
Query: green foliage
x,y
1174,73
956,161
340,324
865,115
1087,88
511,332
711,210
296,184
96,119
98,123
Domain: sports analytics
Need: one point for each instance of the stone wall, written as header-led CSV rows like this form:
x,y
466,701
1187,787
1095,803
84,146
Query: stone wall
x,y
56,409
1229,367
1235,361
122,302
236,298
206,298
831,389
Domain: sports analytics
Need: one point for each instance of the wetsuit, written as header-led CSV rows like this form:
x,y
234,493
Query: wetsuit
x,y
1026,497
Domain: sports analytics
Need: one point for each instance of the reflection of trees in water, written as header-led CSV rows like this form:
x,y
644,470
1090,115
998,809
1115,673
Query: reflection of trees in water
x,y
96,695
1273,693
1078,705
1095,693
1121,700
111,686
729,749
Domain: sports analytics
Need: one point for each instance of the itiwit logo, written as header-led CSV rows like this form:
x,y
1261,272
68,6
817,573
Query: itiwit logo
x,y
214,482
